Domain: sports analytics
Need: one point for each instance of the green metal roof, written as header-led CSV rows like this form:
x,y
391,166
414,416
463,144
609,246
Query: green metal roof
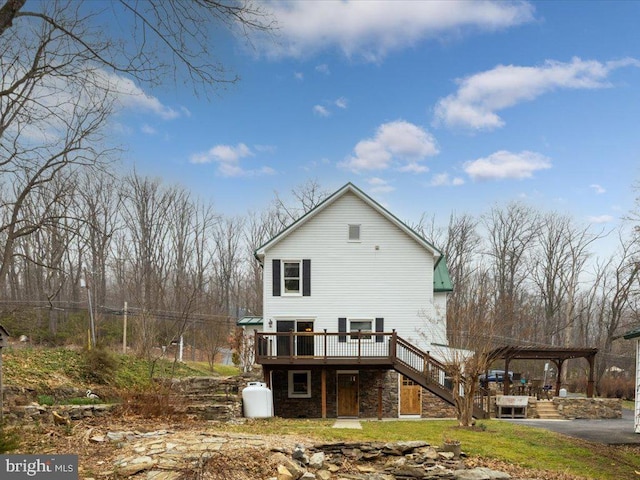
x,y
246,321
441,278
635,333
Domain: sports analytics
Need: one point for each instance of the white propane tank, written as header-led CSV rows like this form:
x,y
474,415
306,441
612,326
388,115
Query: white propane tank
x,y
563,392
257,400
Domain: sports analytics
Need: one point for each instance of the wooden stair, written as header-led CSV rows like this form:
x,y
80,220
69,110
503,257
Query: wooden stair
x,y
430,374
547,410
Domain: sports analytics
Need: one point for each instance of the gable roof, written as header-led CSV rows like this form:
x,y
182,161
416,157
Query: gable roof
x,y
348,188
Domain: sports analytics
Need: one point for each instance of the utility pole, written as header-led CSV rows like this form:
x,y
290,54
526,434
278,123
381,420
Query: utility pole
x,y
85,283
124,331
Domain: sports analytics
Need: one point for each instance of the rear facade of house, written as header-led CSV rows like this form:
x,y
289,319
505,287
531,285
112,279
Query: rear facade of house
x,y
348,290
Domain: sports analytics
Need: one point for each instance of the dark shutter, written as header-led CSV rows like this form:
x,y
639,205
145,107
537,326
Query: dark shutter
x,y
306,278
276,277
379,328
342,328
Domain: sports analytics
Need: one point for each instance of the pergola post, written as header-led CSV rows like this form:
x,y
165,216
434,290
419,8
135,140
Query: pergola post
x,y
505,379
590,383
559,362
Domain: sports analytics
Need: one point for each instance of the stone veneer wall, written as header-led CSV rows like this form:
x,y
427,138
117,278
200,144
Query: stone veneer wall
x,y
312,407
591,408
432,406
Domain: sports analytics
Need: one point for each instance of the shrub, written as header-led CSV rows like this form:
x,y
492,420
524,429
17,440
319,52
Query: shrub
x,y
617,387
99,366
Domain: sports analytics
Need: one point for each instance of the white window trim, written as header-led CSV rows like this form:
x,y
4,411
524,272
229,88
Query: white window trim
x,y
361,319
354,240
293,394
282,280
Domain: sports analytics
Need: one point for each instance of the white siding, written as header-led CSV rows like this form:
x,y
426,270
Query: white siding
x,y
387,274
637,404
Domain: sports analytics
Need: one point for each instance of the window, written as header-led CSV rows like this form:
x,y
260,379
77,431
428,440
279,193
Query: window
x,y
291,277
299,383
354,233
364,326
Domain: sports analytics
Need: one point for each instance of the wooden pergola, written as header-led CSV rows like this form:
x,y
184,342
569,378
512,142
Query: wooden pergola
x,y
557,355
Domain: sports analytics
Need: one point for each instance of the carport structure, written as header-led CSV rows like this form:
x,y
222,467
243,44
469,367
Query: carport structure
x,y
557,355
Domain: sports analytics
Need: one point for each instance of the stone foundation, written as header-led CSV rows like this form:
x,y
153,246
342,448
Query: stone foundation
x,y
368,391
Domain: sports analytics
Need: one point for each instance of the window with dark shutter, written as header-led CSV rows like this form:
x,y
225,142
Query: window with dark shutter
x,y
342,328
379,328
275,267
306,278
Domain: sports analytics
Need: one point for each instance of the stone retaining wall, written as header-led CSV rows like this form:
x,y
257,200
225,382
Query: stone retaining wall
x,y
589,408
57,414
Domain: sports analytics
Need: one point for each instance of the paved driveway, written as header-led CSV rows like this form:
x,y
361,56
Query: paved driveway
x,y
619,431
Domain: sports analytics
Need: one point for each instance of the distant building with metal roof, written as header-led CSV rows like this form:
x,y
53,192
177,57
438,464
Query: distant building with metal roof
x,y
249,322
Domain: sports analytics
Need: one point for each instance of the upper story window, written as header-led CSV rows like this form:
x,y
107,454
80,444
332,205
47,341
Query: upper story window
x,y
291,277
354,233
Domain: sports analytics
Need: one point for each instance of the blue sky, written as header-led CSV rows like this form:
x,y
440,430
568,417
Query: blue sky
x,y
429,107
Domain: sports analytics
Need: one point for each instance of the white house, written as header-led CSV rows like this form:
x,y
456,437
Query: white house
x,y
352,297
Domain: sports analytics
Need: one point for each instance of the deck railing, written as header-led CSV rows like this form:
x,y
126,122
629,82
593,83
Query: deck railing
x,y
322,346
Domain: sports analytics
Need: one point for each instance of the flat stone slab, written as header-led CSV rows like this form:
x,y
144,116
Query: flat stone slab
x,y
348,423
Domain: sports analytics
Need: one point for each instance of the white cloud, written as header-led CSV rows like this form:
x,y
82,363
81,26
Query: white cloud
x,y
321,111
323,68
372,29
504,164
400,144
298,76
481,96
148,129
414,167
379,185
227,158
128,95
341,103
597,188
445,180
601,219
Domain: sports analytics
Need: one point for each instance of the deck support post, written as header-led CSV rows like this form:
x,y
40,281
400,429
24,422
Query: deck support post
x,y
380,395
323,393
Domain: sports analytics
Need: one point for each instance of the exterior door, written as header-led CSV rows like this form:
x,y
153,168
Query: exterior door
x,y
304,344
284,341
347,394
410,397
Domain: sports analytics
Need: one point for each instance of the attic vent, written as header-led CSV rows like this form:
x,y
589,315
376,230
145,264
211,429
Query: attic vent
x,y
354,233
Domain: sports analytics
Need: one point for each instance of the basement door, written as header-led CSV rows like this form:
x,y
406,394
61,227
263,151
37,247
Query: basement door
x,y
347,394
410,397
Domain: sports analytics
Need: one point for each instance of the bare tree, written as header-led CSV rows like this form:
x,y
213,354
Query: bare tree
x,y
617,284
305,197
512,230
62,77
556,264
